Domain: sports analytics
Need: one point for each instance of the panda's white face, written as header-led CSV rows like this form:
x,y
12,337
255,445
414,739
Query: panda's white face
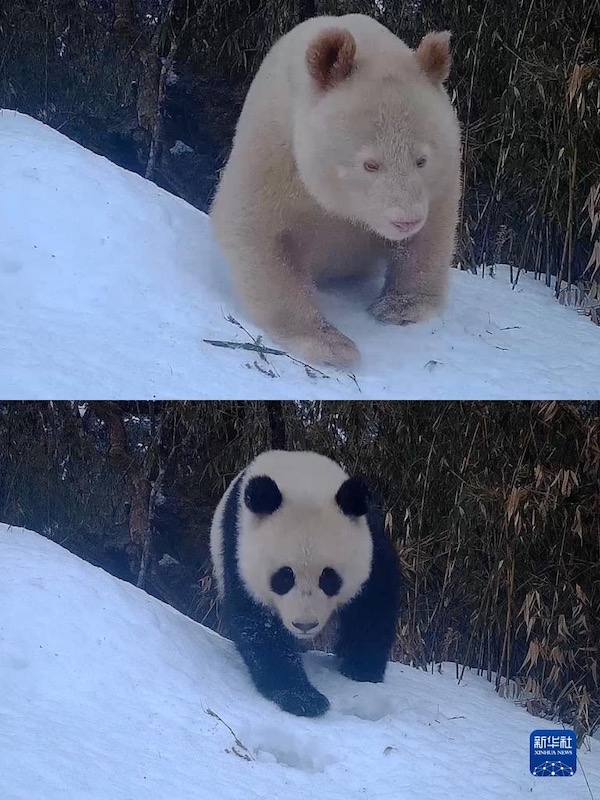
x,y
299,553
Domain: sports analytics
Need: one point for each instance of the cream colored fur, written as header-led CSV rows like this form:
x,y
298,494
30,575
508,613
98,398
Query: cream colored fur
x,y
295,202
308,533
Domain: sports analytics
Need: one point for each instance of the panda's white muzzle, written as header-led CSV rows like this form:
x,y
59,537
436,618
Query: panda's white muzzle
x,y
308,628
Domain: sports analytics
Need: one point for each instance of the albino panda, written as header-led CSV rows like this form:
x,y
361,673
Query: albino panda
x,y
293,540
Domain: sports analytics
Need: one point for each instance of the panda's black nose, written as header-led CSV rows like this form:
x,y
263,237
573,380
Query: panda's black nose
x,y
305,627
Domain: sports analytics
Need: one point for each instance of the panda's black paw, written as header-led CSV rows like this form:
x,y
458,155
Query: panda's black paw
x,y
365,673
302,702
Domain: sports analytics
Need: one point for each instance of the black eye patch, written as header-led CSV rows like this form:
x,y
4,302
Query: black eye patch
x,y
283,580
330,582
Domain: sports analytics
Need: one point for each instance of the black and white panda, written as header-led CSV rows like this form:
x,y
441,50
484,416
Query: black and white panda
x,y
293,540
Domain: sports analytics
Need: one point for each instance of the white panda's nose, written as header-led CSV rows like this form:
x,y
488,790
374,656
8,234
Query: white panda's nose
x,y
305,627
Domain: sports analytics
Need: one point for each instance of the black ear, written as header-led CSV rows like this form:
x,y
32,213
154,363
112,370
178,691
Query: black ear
x,y
262,495
353,497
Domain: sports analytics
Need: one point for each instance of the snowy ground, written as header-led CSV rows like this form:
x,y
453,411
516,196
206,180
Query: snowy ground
x,y
109,287
108,694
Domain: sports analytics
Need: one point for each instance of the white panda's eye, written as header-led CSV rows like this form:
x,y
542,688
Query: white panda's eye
x,y
283,580
371,165
330,582
421,161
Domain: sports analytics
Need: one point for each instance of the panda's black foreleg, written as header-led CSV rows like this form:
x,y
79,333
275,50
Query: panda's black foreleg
x,y
367,625
275,665
364,652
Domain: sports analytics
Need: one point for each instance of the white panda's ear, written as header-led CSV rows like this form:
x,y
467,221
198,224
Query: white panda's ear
x,y
262,495
433,54
330,57
353,497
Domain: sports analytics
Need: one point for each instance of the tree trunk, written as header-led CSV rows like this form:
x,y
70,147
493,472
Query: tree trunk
x,y
276,424
305,9
140,515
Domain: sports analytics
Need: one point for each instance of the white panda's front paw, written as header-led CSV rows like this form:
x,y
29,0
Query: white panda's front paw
x,y
404,309
328,346
306,702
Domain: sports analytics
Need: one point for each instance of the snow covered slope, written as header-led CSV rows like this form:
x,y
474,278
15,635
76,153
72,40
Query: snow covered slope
x,y
109,287
108,694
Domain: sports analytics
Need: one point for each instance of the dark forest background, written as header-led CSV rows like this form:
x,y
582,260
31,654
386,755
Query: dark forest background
x,y
494,509
134,79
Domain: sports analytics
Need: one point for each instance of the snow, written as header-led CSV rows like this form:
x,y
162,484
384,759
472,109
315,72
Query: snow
x,y
108,694
180,148
110,285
